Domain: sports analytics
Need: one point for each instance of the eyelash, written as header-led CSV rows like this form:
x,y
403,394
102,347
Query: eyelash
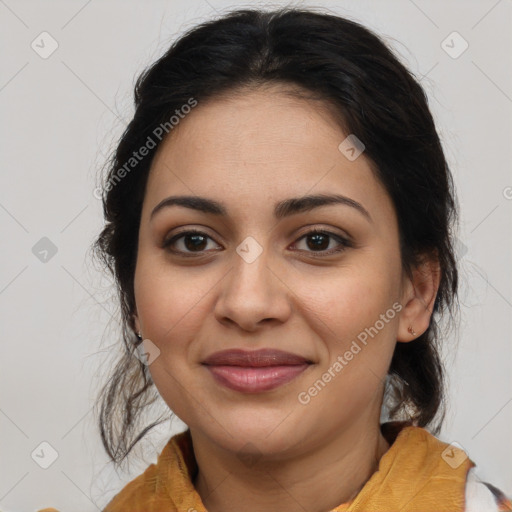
x,y
344,243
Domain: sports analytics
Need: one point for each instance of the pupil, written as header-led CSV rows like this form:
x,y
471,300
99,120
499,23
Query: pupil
x,y
318,241
198,244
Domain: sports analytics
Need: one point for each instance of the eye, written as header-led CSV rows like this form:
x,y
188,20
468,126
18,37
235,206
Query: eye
x,y
195,241
192,240
320,241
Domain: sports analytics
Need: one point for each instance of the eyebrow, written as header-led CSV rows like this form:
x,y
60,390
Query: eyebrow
x,y
282,209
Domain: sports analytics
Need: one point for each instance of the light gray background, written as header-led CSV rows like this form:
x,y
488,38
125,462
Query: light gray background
x,y
60,117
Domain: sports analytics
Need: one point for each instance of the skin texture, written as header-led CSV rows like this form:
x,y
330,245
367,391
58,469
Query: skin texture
x,y
268,451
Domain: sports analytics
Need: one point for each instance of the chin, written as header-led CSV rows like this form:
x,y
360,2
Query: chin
x,y
257,433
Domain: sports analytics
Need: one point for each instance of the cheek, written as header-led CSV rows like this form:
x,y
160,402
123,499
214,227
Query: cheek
x,y
172,305
169,300
357,324
347,300
355,313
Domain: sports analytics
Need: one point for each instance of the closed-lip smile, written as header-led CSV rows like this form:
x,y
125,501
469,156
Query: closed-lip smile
x,y
254,371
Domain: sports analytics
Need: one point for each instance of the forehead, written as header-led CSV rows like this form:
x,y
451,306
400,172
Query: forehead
x,y
254,126
259,146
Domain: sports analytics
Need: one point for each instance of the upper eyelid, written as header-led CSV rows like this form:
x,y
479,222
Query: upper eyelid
x,y
307,230
319,226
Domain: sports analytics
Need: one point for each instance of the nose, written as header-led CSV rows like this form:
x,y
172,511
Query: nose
x,y
253,295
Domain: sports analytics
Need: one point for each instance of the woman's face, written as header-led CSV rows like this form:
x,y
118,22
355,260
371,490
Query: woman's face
x,y
253,279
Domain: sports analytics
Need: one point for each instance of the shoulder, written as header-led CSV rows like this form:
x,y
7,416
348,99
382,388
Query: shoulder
x,y
161,484
141,490
134,496
484,497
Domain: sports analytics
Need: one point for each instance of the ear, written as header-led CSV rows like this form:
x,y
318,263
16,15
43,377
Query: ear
x,y
418,297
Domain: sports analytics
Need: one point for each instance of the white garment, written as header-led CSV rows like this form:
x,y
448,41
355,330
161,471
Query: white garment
x,y
479,497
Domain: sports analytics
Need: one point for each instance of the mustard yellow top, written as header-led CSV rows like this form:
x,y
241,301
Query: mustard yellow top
x,y
418,473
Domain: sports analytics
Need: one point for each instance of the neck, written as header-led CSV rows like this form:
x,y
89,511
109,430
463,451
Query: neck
x,y
320,479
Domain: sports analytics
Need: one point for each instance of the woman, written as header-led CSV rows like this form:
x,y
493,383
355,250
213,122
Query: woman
x,y
279,215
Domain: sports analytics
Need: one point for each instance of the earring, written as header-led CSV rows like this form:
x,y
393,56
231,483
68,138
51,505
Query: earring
x,y
139,335
411,330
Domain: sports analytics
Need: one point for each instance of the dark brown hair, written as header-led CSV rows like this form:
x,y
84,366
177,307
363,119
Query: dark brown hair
x,y
321,56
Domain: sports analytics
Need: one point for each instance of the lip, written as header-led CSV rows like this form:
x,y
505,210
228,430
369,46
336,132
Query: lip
x,y
255,371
